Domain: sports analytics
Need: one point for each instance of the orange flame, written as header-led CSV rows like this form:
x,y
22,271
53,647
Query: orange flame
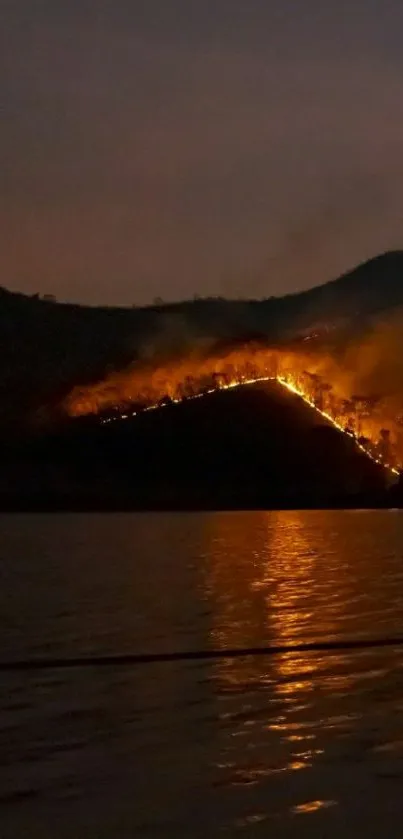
x,y
316,377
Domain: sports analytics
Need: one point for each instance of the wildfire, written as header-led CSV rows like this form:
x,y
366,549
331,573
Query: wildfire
x,y
366,450
364,418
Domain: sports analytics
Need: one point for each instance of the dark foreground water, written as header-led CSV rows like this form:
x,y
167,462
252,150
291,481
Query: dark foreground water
x,y
296,745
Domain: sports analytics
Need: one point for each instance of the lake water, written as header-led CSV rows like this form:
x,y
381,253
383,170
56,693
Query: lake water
x,y
295,745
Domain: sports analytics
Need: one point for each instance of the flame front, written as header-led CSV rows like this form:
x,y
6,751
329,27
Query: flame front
x,y
369,420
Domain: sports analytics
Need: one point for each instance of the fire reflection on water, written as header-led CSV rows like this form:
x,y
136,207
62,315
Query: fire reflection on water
x,y
265,592
267,588
290,615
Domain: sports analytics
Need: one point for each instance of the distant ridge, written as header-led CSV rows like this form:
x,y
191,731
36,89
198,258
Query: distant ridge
x,y
371,287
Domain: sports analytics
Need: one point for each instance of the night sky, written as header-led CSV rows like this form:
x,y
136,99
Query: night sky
x,y
179,147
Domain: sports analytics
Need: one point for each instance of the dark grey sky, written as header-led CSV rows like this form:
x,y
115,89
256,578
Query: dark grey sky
x,y
173,147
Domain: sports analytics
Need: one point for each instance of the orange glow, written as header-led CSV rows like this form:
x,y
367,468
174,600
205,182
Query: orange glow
x,y
312,806
372,422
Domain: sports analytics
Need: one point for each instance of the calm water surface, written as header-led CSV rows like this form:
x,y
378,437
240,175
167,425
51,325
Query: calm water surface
x,y
296,745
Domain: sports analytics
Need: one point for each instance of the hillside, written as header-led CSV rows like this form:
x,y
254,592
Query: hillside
x,y
255,447
46,348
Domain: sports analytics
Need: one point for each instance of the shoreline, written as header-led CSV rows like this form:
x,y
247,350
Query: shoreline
x,y
57,506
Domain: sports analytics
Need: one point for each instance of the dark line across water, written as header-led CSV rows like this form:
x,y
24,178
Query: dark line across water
x,y
134,659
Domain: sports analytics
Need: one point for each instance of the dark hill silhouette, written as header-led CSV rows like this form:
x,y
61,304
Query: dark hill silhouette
x,y
372,288
47,347
254,447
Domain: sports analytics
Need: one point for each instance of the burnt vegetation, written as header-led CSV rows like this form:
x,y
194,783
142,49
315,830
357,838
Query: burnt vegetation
x,y
253,447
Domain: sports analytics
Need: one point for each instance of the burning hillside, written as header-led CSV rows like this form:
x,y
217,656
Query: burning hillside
x,y
359,387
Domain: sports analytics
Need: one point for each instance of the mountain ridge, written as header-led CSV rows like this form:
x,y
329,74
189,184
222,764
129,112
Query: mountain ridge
x,y
47,347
